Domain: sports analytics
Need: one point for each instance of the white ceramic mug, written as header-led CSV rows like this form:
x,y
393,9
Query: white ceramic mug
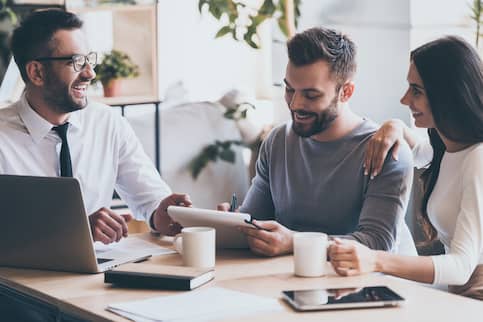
x,y
197,246
310,254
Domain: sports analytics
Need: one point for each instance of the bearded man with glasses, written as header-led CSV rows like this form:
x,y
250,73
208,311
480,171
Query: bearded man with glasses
x,y
56,90
54,130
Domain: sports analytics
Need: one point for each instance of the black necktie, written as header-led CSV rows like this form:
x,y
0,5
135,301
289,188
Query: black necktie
x,y
65,162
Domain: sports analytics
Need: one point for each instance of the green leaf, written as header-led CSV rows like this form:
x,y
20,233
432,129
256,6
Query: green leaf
x,y
211,152
198,164
268,8
233,34
201,3
233,9
297,11
216,12
225,145
256,21
232,18
244,114
223,31
282,24
228,155
248,37
230,114
248,104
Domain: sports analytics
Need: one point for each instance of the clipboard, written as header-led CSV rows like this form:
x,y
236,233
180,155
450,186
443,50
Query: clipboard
x,y
225,223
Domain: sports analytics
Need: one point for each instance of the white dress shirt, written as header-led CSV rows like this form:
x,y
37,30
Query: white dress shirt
x,y
105,153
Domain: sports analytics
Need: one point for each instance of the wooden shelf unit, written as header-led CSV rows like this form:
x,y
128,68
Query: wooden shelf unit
x,y
134,31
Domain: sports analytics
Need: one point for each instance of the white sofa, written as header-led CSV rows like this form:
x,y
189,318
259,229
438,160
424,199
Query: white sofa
x,y
185,130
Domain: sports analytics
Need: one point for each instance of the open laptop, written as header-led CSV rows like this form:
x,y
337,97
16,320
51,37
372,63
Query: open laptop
x,y
44,226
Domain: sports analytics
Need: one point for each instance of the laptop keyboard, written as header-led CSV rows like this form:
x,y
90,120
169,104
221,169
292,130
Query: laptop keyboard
x,y
103,260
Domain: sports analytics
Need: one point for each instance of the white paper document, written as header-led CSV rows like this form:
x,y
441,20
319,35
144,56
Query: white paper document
x,y
200,305
130,245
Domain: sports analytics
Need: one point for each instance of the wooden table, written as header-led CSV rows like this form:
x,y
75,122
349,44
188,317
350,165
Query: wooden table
x,y
86,296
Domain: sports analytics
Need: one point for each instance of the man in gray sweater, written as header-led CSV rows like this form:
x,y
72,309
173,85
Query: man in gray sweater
x,y
310,174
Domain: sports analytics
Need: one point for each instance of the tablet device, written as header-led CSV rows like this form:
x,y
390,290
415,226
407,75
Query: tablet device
x,y
342,298
225,223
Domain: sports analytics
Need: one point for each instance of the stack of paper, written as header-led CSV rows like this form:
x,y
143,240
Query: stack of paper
x,y
202,305
131,246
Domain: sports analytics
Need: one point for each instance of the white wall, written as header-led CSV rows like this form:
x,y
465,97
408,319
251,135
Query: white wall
x,y
384,31
434,18
380,30
208,67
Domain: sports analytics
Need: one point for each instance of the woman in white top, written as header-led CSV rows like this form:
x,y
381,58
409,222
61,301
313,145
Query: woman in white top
x,y
445,95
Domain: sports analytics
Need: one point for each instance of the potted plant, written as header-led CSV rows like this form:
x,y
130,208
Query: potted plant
x,y
244,18
222,150
115,66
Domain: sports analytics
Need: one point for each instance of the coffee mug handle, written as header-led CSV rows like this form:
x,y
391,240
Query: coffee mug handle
x,y
330,242
178,243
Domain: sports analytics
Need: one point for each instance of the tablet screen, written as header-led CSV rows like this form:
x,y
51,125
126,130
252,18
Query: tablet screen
x,y
340,298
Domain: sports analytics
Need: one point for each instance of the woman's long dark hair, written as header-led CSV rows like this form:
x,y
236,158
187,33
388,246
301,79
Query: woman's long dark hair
x,y
452,75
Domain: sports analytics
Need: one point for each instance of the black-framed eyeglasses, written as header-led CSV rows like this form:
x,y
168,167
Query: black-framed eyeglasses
x,y
79,62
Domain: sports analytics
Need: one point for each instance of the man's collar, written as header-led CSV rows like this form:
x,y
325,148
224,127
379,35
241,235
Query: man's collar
x,y
75,119
37,126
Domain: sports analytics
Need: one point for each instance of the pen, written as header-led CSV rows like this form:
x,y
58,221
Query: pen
x,y
233,204
250,222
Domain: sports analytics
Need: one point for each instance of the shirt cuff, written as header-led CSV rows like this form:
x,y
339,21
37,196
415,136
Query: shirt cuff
x,y
149,218
437,271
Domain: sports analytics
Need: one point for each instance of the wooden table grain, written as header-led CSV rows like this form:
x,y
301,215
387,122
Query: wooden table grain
x,y
86,295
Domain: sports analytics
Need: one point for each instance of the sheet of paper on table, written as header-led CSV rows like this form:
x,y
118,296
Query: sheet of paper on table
x,y
200,305
130,245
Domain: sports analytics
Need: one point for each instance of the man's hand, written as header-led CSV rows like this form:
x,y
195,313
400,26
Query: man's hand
x,y
349,257
225,206
162,222
107,226
274,239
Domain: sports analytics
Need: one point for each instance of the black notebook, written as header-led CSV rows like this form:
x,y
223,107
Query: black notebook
x,y
158,276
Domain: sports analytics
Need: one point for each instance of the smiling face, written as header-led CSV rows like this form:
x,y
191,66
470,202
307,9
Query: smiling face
x,y
312,97
417,100
64,89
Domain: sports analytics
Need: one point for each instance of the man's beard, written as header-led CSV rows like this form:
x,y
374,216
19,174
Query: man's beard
x,y
321,122
57,95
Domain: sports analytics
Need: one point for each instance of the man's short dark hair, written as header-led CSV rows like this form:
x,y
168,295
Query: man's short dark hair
x,y
32,38
325,44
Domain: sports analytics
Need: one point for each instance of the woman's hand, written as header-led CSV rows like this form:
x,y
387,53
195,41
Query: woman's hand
x,y
390,135
349,257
